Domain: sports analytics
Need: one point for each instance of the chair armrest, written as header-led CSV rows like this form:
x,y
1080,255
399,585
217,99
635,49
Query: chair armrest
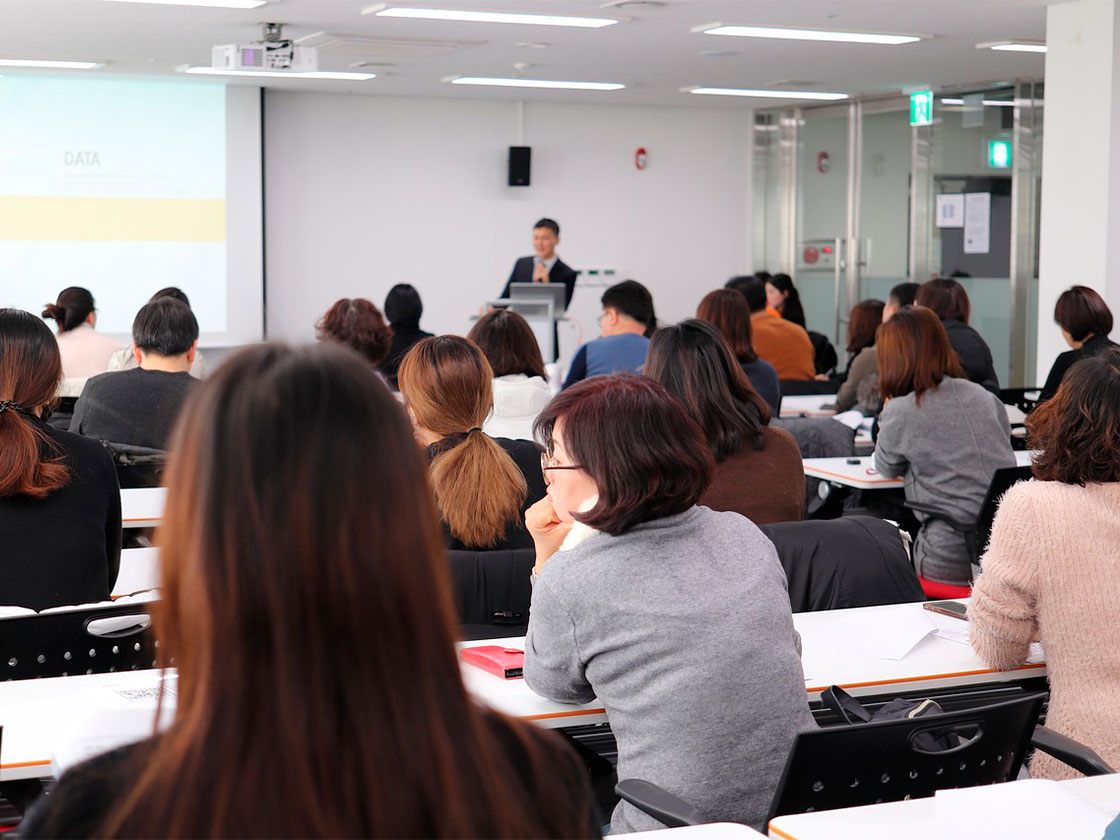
x,y
937,513
1078,756
658,803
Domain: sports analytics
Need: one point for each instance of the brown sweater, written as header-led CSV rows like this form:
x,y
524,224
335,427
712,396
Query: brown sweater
x,y
784,345
1051,569
765,485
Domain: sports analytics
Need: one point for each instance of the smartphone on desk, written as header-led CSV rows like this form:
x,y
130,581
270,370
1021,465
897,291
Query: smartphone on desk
x,y
950,608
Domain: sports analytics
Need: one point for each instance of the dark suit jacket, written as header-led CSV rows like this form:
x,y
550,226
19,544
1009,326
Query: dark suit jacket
x,y
560,273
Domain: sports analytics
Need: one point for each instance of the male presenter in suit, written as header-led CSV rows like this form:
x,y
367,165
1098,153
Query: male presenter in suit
x,y
544,266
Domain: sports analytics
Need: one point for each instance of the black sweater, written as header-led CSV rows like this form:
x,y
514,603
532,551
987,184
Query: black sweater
x,y
1094,346
974,353
85,795
66,548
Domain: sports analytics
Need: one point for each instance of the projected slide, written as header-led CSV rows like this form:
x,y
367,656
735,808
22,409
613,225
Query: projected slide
x,y
115,185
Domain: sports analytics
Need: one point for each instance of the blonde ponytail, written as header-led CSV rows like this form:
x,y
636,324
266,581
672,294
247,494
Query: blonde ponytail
x,y
479,491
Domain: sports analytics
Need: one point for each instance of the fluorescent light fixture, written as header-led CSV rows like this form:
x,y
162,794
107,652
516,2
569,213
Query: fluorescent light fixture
x,y
1013,46
382,10
533,83
281,74
767,94
805,34
54,65
995,103
213,4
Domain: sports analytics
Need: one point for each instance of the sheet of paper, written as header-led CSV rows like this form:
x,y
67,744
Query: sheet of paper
x,y
852,419
959,634
950,210
1032,808
908,627
977,223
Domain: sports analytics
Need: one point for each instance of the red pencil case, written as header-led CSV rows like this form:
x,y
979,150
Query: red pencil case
x,y
507,663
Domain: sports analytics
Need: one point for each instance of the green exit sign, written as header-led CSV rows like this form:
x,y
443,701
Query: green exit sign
x,y
921,108
999,154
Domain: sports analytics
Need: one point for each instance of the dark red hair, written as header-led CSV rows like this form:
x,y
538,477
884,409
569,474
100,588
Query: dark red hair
x,y
1081,312
914,353
946,297
647,456
357,322
730,313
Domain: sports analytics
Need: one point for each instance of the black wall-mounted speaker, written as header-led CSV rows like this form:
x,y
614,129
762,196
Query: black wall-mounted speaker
x,y
519,159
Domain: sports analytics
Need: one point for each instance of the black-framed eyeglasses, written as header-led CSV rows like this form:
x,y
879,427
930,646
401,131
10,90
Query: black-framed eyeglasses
x,y
548,462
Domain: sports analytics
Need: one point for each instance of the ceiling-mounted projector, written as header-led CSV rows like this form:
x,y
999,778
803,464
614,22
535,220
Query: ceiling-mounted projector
x,y
273,52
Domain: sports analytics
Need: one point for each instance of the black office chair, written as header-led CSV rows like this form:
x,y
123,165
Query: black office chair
x,y
63,413
863,764
977,533
93,640
137,466
803,387
855,561
492,592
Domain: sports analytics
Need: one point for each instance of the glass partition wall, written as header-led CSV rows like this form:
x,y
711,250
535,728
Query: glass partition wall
x,y
850,199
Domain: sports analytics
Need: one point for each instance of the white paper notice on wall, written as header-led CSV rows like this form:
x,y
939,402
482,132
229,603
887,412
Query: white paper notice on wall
x,y
977,223
950,210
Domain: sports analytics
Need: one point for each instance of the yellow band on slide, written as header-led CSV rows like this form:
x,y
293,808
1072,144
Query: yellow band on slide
x,y
29,218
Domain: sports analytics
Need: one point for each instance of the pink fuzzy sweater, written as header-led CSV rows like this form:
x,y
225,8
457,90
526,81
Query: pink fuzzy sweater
x,y
1053,568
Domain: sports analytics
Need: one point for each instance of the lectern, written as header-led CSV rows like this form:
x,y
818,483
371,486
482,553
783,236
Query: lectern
x,y
542,305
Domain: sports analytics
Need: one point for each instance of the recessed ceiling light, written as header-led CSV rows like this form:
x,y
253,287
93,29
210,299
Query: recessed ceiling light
x,y
53,65
384,10
213,4
766,94
995,103
1013,46
281,74
805,34
533,83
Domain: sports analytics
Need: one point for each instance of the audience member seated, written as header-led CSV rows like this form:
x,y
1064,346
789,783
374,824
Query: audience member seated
x,y
863,321
782,343
60,509
1086,321
783,298
125,357
308,612
626,324
521,387
403,308
1050,570
949,301
358,323
945,435
85,352
901,295
675,616
727,309
482,484
139,407
758,468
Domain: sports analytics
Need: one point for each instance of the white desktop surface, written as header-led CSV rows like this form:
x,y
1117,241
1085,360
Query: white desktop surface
x,y
862,475
708,831
808,405
142,507
913,820
139,571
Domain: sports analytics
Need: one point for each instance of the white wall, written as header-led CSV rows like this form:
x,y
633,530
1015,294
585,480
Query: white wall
x,y
1080,162
365,192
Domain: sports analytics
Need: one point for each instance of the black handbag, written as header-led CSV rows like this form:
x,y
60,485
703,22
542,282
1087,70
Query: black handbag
x,y
851,711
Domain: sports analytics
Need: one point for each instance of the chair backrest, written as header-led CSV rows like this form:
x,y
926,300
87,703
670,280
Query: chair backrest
x,y
817,437
855,561
802,387
492,588
89,640
1002,481
863,764
137,466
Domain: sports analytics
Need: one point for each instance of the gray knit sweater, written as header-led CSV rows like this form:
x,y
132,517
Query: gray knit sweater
x,y
948,448
682,628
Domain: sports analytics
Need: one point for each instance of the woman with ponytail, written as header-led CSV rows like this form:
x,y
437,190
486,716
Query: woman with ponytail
x,y
84,351
60,507
482,485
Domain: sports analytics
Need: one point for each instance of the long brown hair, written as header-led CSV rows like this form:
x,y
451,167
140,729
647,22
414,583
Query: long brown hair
x,y
507,341
30,370
728,310
446,383
863,321
306,605
914,353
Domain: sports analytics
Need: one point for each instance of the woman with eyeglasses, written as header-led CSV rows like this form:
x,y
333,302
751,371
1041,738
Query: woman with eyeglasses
x,y
482,484
675,616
